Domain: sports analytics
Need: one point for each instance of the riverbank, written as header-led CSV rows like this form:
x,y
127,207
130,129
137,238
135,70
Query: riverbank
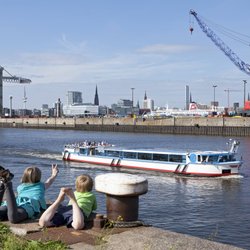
x,y
140,238
215,126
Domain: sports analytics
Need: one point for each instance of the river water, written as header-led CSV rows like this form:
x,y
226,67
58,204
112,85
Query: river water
x,y
209,208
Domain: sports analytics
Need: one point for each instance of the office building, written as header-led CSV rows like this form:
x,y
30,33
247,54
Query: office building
x,y
45,110
124,108
80,110
58,108
74,97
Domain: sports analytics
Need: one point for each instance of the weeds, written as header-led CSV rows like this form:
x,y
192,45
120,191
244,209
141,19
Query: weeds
x,y
9,241
106,231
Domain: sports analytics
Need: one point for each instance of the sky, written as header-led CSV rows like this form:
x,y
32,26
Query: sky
x,y
76,45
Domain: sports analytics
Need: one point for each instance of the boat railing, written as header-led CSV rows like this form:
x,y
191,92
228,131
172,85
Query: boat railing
x,y
88,144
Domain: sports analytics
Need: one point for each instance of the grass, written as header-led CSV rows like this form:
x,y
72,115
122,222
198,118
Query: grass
x,y
10,241
106,232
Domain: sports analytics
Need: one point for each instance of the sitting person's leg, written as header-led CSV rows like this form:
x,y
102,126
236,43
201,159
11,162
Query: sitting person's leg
x,y
78,217
15,214
3,209
46,218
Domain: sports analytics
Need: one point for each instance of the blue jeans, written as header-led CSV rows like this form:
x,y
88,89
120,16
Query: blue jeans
x,y
11,212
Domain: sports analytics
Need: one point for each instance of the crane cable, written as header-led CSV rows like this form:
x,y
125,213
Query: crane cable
x,y
234,35
6,71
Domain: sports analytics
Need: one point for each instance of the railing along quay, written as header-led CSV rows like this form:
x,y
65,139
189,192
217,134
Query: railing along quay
x,y
214,126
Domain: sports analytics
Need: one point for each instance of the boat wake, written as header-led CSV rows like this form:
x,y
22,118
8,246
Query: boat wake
x,y
45,156
39,155
239,176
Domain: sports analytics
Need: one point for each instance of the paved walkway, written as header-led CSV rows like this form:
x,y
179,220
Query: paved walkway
x,y
139,238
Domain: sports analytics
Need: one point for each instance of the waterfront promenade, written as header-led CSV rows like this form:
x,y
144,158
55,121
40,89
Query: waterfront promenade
x,y
139,238
222,126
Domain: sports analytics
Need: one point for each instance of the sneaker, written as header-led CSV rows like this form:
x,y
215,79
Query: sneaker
x,y
5,175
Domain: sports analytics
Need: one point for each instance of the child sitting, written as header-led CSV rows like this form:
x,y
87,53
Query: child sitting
x,y
81,203
30,200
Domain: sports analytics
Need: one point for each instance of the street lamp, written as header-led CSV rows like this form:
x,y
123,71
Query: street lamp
x,y
11,97
245,82
214,86
132,108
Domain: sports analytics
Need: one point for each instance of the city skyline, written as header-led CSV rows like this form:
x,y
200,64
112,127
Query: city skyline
x,y
145,45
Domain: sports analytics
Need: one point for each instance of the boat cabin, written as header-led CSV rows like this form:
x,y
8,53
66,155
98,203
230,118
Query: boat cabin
x,y
211,157
180,157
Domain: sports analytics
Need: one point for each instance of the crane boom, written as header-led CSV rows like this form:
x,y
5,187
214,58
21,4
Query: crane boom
x,y
219,43
13,79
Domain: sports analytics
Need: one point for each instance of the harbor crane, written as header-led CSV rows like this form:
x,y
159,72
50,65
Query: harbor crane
x,y
220,44
9,79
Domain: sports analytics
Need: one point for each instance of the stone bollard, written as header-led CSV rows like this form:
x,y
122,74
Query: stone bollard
x,y
122,194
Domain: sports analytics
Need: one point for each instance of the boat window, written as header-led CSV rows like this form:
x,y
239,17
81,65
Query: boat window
x,y
131,155
84,151
98,152
232,158
144,156
177,158
226,158
223,158
112,153
212,158
160,157
204,158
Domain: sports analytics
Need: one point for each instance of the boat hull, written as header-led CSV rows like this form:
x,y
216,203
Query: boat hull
x,y
194,169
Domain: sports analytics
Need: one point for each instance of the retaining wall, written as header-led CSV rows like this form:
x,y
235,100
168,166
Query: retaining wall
x,y
225,126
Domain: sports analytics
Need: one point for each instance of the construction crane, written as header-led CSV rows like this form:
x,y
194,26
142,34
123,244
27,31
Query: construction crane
x,y
9,79
219,43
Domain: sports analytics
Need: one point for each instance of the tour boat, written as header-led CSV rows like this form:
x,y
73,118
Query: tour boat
x,y
195,163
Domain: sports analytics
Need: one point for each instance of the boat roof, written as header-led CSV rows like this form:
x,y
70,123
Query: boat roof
x,y
166,151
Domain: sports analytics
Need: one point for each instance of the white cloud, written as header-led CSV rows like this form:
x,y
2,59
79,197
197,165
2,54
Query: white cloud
x,y
71,67
44,59
166,49
156,65
75,48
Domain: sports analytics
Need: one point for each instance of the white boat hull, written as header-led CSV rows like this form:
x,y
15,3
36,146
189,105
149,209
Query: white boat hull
x,y
196,169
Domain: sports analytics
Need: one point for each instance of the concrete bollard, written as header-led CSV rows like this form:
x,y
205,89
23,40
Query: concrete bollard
x,y
122,194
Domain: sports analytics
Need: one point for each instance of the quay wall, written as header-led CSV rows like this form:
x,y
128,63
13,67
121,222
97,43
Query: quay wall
x,y
222,126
